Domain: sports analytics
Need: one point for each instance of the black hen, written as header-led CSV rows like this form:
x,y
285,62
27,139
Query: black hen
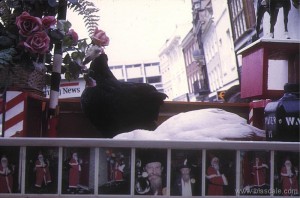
x,y
115,107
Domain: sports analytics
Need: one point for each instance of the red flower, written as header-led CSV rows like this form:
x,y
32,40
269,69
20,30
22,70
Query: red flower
x,y
74,36
28,24
37,43
99,38
48,21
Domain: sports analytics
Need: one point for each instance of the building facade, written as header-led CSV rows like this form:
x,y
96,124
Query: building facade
x,y
194,68
200,13
243,21
172,62
215,36
144,72
225,46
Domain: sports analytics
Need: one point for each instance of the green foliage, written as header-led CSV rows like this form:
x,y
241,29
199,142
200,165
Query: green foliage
x,y
6,56
5,13
72,61
88,11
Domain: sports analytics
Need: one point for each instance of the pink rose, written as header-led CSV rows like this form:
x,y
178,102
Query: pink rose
x,y
48,21
74,36
28,24
99,38
37,43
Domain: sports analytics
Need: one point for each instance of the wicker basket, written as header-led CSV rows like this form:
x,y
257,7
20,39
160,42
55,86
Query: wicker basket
x,y
24,79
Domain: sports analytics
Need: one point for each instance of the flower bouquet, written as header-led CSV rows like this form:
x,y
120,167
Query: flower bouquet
x,y
29,33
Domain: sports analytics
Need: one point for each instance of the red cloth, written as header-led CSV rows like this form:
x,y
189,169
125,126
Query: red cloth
x,y
52,129
118,175
74,173
119,171
259,174
289,183
215,185
6,180
42,174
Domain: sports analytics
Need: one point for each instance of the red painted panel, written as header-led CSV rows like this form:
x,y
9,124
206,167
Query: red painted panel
x,y
254,77
252,74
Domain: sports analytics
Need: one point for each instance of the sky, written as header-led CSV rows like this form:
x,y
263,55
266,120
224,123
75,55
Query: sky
x,y
137,28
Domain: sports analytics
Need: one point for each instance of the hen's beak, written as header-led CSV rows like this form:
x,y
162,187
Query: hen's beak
x,y
90,82
92,53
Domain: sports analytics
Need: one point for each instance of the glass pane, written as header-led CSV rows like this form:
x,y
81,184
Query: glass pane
x,y
114,170
220,172
286,176
255,173
10,177
186,172
78,171
150,172
277,74
41,170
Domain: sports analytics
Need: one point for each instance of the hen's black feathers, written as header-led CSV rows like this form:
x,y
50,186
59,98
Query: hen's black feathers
x,y
115,107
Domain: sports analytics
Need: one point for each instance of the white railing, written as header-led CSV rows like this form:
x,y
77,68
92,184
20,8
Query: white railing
x,y
99,159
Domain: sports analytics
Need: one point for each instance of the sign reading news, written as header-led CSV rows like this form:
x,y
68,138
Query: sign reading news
x,y
69,89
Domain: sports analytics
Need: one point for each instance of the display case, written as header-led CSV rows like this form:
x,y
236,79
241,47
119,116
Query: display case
x,y
267,65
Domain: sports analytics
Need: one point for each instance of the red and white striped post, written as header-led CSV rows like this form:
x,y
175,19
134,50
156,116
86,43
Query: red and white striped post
x,y
13,114
256,113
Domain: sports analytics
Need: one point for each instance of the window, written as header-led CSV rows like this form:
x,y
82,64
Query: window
x,y
135,80
154,79
242,15
185,59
